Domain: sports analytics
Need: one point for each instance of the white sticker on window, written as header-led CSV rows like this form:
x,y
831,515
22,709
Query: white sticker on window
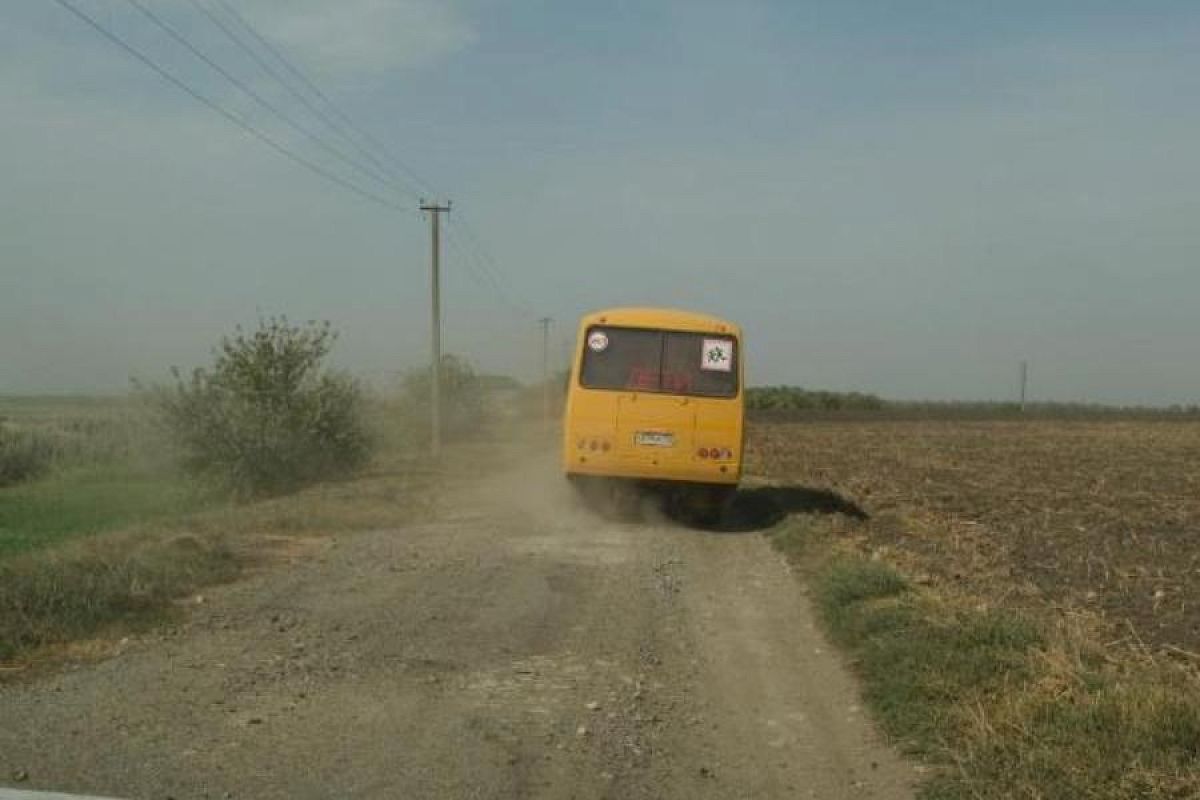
x,y
717,355
598,341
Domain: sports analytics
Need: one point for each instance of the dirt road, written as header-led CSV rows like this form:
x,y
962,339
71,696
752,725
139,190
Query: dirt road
x,y
518,647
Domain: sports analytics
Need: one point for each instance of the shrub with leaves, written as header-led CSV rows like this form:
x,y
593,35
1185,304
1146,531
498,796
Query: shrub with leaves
x,y
267,417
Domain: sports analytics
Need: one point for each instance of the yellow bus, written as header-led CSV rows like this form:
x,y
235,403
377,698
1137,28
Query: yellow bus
x,y
656,399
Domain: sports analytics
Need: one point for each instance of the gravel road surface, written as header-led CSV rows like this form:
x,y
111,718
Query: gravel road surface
x,y
520,646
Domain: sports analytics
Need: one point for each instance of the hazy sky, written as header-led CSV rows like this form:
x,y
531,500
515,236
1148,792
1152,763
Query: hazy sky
x,y
907,198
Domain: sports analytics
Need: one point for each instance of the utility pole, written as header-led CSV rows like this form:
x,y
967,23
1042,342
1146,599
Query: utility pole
x,y
435,372
545,323
1024,383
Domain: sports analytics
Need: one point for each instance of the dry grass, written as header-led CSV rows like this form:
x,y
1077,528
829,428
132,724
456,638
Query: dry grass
x,y
60,594
93,548
1019,601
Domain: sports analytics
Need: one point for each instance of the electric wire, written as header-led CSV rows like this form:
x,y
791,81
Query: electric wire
x,y
484,279
482,266
476,259
488,261
287,85
483,260
228,115
349,123
258,98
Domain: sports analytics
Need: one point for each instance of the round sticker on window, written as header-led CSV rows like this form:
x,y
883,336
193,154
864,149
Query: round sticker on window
x,y
598,341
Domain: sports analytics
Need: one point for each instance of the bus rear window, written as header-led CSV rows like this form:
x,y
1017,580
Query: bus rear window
x,y
670,362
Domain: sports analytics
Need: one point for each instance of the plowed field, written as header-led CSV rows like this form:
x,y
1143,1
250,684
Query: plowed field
x,y
1102,516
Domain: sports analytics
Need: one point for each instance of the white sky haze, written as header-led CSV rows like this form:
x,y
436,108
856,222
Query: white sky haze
x,y
906,199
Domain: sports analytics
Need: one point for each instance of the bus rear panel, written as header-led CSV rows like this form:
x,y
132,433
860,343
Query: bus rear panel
x,y
655,396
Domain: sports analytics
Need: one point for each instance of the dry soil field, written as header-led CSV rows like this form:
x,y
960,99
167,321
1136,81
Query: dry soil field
x,y
1094,516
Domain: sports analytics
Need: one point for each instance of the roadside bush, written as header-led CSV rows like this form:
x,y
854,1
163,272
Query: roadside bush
x,y
24,455
266,417
461,395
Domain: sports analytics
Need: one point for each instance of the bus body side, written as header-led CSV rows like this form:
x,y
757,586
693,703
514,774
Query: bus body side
x,y
681,425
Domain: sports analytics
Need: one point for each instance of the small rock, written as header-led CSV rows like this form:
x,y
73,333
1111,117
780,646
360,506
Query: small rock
x,y
581,731
706,772
20,776
255,721
593,706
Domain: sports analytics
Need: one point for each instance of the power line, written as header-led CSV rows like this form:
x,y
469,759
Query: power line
x,y
275,75
483,262
483,259
416,179
476,264
476,257
229,115
183,40
484,277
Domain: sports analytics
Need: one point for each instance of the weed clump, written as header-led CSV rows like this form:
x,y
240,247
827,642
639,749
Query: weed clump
x,y
267,418
24,455
60,594
1005,706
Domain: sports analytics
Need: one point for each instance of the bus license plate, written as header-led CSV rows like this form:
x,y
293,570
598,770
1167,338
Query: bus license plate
x,y
654,439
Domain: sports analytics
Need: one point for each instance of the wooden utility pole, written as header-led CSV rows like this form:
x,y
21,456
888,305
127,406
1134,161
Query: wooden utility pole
x,y
1024,383
435,371
545,323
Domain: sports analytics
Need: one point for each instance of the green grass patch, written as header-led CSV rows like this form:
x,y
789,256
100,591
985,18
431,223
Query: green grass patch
x,y
1005,707
88,500
919,666
67,592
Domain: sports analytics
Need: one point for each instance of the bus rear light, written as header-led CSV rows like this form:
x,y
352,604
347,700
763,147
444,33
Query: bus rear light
x,y
594,445
703,452
582,443
605,446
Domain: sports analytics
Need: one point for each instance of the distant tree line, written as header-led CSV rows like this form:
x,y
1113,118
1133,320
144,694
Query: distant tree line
x,y
788,401
794,398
